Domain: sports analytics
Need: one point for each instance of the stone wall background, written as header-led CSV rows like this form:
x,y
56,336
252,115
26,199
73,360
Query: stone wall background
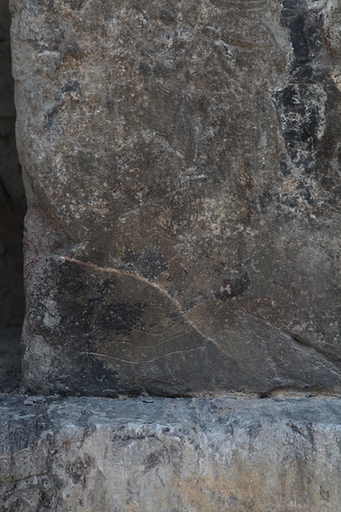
x,y
12,196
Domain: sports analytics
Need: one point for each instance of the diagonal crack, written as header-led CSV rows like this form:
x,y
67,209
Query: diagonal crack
x,y
157,287
295,337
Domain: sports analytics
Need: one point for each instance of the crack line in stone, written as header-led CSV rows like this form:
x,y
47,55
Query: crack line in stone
x,y
157,344
158,333
295,337
123,274
160,289
98,354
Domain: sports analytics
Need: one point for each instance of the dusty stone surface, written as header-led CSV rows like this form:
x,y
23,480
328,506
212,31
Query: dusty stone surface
x,y
184,455
12,196
182,167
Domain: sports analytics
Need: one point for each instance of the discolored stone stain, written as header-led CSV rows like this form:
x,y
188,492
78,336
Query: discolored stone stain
x,y
266,198
79,470
150,263
300,103
305,35
233,287
80,310
167,16
120,317
77,4
284,168
324,493
154,459
72,288
301,116
72,87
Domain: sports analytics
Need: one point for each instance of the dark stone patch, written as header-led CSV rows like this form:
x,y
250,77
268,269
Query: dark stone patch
x,y
305,193
18,435
302,57
284,168
154,459
145,69
77,4
120,317
300,118
78,471
167,16
72,87
92,378
75,310
233,287
265,198
299,103
49,116
12,198
305,37
48,494
150,264
79,309
72,50
324,493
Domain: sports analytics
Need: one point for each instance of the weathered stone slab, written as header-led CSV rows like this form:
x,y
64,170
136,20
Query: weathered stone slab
x,y
182,168
187,455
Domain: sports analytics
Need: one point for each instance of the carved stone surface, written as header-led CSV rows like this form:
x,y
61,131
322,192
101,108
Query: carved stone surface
x,y
182,169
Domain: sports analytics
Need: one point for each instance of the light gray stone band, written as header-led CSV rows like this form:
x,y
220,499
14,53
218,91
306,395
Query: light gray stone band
x,y
154,454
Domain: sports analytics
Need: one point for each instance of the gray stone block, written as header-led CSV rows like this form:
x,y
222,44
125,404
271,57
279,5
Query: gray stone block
x,y
184,455
182,166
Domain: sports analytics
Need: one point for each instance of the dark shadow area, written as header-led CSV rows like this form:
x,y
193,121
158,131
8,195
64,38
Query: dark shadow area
x,y
12,211
10,359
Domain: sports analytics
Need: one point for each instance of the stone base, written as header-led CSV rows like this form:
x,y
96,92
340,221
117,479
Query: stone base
x,y
155,454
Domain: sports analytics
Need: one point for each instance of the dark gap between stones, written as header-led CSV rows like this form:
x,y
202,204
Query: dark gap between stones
x,y
12,211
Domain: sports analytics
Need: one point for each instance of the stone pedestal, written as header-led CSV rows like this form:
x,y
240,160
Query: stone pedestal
x,y
184,455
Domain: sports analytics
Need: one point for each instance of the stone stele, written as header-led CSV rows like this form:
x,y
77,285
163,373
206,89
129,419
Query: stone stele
x,y
182,168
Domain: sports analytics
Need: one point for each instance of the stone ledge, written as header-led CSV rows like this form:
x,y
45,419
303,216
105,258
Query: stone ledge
x,y
155,454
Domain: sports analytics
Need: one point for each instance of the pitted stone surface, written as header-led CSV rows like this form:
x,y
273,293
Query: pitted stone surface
x,y
182,168
152,455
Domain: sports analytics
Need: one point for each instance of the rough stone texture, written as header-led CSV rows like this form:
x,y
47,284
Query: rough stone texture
x,y
182,168
170,455
12,197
